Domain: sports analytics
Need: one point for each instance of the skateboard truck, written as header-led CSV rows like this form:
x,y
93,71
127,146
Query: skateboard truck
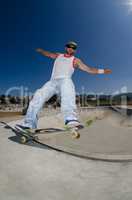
x,y
26,136
75,133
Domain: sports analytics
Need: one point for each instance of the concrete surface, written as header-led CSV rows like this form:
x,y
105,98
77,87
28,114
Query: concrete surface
x,y
36,172
28,172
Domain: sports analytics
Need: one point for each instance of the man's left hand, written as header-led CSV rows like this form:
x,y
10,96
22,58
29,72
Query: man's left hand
x,y
107,71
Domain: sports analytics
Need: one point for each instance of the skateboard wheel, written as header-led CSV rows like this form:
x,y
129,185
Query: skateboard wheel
x,y
75,135
23,140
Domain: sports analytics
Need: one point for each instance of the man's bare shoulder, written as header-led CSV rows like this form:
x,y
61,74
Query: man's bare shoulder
x,y
55,55
58,54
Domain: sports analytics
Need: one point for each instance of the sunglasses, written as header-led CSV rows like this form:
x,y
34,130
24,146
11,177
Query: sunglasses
x,y
71,46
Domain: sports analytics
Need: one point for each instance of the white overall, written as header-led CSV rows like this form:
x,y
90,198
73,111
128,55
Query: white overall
x,y
60,83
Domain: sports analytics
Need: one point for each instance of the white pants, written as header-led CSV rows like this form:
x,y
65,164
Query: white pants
x,y
65,88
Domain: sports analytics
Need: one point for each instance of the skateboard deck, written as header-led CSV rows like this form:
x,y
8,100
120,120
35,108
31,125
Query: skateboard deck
x,y
26,135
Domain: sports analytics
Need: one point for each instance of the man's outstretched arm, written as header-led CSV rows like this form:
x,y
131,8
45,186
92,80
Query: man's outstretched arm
x,y
91,70
47,53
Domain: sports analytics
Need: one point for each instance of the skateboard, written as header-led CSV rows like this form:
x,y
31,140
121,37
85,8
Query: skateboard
x,y
34,135
27,135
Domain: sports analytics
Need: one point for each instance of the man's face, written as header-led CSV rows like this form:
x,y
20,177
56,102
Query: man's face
x,y
70,50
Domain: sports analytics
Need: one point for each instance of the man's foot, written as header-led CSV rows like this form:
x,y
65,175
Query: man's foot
x,y
73,123
25,129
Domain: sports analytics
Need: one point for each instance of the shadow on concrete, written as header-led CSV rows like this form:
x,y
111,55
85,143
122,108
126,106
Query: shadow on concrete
x,y
29,143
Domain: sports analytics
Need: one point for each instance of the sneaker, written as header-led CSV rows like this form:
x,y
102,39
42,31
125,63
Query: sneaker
x,y
73,123
24,129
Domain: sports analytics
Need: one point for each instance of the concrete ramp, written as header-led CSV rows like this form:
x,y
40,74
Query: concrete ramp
x,y
104,138
99,141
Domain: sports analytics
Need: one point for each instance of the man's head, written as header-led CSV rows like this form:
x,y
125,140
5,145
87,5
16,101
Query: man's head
x,y
71,47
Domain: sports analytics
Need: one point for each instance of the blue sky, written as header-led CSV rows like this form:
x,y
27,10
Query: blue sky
x,y
102,29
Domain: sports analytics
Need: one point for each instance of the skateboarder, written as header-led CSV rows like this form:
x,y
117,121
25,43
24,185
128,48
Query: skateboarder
x,y
59,83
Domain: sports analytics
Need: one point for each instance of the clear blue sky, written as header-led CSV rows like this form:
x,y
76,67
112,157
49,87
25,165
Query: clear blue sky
x,y
102,28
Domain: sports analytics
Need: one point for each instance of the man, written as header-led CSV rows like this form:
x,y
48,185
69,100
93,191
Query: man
x,y
60,83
